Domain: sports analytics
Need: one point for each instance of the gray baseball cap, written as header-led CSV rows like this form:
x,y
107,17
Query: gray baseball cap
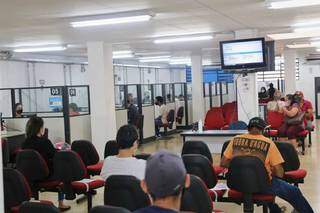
x,y
165,174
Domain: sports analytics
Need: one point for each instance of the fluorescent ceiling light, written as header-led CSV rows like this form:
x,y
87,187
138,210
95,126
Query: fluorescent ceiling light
x,y
298,46
318,50
40,49
315,39
315,44
111,21
183,39
307,29
124,52
307,23
122,56
292,4
152,53
155,59
180,61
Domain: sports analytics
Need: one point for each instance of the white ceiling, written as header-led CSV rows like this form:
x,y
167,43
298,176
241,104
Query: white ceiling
x,y
47,21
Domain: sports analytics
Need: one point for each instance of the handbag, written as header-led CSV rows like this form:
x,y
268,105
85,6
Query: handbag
x,y
296,120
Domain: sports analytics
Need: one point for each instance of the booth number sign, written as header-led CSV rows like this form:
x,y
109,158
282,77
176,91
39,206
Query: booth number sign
x,y
55,91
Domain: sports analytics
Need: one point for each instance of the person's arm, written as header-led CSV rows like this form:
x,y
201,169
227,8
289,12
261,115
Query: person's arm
x,y
225,162
50,150
227,156
276,161
291,113
278,171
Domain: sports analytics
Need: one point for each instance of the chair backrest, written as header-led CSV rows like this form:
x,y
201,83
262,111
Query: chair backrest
x,y
224,147
289,155
238,125
197,147
142,156
170,118
180,114
86,151
275,119
214,119
247,174
111,148
200,166
196,198
5,152
108,209
31,164
125,191
68,167
38,207
16,188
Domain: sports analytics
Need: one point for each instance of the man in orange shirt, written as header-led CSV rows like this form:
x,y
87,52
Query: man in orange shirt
x,y
255,144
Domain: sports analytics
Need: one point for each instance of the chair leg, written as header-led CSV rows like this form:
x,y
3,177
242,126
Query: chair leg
x,y
303,145
89,198
248,204
265,208
310,139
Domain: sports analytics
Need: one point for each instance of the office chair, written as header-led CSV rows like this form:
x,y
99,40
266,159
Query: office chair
x,y
293,174
111,148
125,191
16,191
108,209
247,178
38,207
180,115
35,169
89,156
201,167
70,169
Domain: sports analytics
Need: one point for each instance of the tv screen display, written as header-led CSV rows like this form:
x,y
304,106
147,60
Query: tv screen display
x,y
243,54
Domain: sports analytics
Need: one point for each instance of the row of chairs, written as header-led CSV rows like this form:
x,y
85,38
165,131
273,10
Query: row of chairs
x,y
221,117
246,175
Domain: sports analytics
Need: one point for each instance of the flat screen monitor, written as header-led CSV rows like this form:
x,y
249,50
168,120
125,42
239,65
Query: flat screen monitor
x,y
243,54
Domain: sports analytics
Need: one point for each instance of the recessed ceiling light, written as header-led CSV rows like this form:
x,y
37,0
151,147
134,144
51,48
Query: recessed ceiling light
x,y
292,4
111,21
40,49
183,39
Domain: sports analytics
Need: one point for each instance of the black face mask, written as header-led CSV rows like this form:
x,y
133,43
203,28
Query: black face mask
x,y
19,111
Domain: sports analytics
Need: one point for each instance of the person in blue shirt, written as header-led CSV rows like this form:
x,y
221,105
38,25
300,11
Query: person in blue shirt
x,y
165,179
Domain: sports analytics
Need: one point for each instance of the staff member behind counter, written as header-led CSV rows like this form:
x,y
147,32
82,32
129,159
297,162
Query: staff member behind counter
x,y
18,109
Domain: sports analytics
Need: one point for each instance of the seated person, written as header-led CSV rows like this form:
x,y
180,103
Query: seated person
x,y
251,144
162,119
36,141
18,110
306,106
124,163
276,104
164,181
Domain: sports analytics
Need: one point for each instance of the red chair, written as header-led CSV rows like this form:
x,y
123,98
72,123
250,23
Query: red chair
x,y
230,112
291,166
88,155
214,119
275,120
34,168
16,191
70,169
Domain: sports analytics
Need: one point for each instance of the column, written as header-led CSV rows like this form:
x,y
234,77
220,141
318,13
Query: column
x,y
290,71
101,82
197,88
247,86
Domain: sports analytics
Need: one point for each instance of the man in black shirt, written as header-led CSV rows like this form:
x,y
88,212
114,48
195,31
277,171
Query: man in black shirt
x,y
271,91
165,179
132,110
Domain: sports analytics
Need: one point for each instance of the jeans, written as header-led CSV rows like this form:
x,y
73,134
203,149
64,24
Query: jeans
x,y
60,196
158,123
289,193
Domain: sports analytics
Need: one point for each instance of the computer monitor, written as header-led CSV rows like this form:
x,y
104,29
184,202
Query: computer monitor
x,y
243,54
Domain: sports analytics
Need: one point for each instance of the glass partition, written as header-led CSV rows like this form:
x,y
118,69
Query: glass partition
x,y
119,96
146,94
78,100
179,92
189,91
6,103
214,88
132,90
157,89
206,90
169,93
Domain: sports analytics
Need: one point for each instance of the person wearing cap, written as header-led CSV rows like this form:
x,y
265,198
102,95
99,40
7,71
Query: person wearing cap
x,y
255,144
124,163
165,179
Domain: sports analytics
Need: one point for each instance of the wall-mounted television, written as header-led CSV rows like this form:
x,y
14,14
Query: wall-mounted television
x,y
243,54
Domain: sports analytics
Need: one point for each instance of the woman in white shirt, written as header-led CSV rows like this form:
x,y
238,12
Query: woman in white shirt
x,y
276,105
163,115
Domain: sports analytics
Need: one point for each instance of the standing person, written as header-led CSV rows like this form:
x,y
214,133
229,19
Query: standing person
x,y
163,114
306,107
18,109
165,179
271,91
124,163
291,131
36,141
255,144
132,110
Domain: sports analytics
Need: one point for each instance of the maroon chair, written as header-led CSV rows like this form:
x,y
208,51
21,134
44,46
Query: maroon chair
x,y
34,168
16,191
5,152
214,119
38,207
70,169
89,156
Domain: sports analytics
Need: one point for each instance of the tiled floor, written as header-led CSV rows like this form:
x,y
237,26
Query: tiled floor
x,y
310,161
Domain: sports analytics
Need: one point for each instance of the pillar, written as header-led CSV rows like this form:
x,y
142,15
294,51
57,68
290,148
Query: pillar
x,y
247,86
197,88
101,82
290,71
